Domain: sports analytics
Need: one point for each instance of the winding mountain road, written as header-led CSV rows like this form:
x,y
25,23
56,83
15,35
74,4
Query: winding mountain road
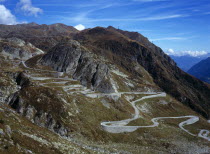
x,y
119,126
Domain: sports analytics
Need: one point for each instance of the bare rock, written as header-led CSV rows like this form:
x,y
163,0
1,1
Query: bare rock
x,y
17,48
8,130
74,59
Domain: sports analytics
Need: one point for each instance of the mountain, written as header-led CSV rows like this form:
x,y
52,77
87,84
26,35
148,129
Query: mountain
x,y
126,52
201,70
42,36
100,90
186,62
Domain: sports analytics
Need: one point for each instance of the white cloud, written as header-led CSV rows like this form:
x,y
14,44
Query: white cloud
x,y
186,53
80,27
170,52
165,17
83,17
168,39
27,7
152,18
6,17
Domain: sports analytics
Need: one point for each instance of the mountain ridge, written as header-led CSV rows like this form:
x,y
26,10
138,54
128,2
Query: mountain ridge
x,y
151,65
186,62
42,36
201,70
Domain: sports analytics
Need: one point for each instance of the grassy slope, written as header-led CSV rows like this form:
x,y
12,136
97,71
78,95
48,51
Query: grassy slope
x,y
83,116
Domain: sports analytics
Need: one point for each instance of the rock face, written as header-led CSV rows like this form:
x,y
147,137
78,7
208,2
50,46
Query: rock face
x,y
8,86
64,57
201,70
17,48
39,117
12,97
72,58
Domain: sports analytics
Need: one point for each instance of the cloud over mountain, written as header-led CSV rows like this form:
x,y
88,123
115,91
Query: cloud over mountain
x,y
186,53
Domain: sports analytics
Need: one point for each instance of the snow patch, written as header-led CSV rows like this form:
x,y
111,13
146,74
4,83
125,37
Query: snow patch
x,y
80,27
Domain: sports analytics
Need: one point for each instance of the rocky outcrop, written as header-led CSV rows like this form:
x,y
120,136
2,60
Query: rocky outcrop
x,y
38,117
8,86
72,58
17,48
64,57
22,79
11,85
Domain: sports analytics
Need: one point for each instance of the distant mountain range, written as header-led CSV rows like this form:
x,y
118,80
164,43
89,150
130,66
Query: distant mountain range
x,y
187,61
201,70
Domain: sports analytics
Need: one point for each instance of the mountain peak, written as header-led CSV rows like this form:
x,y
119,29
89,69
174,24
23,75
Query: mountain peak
x,y
32,24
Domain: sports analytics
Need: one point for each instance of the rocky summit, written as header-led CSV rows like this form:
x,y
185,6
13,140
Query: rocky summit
x,y
100,90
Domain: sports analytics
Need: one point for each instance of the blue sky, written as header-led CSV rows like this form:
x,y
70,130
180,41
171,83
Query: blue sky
x,y
177,26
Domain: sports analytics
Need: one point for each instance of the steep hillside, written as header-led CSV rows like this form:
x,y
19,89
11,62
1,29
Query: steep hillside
x,y
98,91
74,118
127,52
201,70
